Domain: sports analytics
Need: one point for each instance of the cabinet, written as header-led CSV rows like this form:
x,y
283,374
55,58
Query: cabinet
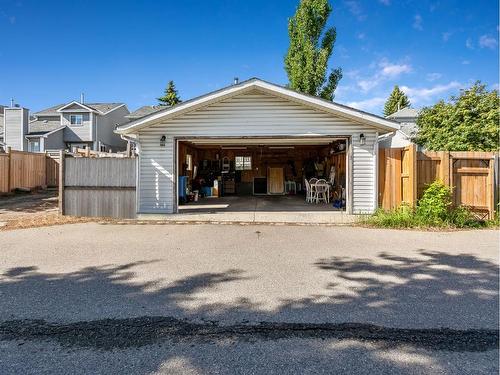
x,y
275,180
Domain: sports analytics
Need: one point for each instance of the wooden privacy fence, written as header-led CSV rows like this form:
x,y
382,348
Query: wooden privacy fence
x,y
27,170
99,187
404,174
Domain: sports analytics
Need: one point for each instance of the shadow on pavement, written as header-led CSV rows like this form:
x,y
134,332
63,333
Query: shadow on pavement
x,y
399,291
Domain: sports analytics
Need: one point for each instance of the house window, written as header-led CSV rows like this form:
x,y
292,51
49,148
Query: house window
x,y
189,162
243,163
34,146
76,119
102,148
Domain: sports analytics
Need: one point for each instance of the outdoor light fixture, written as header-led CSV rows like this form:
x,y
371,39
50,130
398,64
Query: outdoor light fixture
x,y
162,141
362,139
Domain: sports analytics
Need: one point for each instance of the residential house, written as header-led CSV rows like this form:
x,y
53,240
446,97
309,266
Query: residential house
x,y
1,127
407,118
66,126
256,138
145,111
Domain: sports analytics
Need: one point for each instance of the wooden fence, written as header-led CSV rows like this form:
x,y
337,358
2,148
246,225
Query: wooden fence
x,y
99,187
27,170
404,174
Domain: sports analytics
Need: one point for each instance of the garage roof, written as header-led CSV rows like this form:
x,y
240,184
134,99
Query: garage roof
x,y
266,87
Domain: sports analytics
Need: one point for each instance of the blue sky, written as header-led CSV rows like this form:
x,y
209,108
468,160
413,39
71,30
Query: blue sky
x,y
119,51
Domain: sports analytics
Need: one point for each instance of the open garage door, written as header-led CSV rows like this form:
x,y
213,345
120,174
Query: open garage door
x,y
262,174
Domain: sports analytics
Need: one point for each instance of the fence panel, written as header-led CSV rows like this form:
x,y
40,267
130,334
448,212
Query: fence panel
x,y
22,170
100,187
52,171
470,174
4,173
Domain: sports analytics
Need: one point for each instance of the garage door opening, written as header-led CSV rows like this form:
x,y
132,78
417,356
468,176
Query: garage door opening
x,y
257,174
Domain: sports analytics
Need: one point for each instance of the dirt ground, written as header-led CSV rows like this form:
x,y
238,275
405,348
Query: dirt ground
x,y
27,210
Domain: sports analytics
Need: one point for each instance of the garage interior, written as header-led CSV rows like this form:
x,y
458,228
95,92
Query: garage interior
x,y
258,174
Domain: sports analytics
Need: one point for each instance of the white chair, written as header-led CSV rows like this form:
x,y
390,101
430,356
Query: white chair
x,y
312,183
321,193
308,191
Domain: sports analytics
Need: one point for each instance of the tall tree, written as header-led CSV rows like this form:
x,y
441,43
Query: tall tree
x,y
306,61
469,122
396,101
170,96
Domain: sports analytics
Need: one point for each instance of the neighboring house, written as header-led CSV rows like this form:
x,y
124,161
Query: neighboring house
x,y
66,126
1,127
144,111
407,118
251,115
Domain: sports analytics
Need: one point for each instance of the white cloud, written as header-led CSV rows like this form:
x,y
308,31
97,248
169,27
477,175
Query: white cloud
x,y
368,104
465,62
385,2
360,36
385,71
417,22
486,41
433,76
393,70
469,44
426,95
356,10
446,36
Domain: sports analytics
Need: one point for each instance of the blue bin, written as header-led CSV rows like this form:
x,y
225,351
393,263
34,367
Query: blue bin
x,y
183,187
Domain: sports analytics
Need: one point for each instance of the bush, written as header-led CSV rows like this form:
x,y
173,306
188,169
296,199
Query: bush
x,y
434,209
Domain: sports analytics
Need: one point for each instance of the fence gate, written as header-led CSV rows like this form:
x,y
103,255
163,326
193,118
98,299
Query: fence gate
x,y
99,187
405,173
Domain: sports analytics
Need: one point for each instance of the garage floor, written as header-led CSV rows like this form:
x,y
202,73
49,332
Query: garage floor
x,y
282,203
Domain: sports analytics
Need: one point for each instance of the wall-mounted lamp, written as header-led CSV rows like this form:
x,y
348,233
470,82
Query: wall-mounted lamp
x,y
362,139
163,140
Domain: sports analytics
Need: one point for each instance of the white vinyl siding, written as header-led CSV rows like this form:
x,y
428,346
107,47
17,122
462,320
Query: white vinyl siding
x,y
250,115
16,127
76,133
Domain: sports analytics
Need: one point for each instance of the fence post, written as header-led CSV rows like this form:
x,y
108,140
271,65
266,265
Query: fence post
x,y
445,167
496,181
9,167
491,189
412,173
61,182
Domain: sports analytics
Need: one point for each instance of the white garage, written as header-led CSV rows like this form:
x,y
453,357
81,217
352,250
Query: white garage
x,y
257,143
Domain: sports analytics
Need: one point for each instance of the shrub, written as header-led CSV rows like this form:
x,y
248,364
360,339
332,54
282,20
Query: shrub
x,y
434,209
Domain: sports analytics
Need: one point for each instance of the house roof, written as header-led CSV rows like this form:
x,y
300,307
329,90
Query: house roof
x,y
144,111
406,112
101,108
40,127
249,85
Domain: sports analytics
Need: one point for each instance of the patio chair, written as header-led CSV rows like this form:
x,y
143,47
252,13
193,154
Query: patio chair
x,y
308,191
321,193
312,195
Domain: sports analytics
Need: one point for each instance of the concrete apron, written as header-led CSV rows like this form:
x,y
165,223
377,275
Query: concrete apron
x,y
270,217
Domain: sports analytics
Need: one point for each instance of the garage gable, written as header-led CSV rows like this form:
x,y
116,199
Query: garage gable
x,y
254,99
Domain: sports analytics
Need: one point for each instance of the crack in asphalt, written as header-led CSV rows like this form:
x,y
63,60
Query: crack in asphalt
x,y
108,334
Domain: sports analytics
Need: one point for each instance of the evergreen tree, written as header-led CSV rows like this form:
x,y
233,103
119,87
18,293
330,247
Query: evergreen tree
x,y
306,61
396,101
170,96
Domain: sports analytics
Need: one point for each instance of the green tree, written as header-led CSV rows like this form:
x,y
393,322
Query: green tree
x,y
306,61
469,122
396,101
170,96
